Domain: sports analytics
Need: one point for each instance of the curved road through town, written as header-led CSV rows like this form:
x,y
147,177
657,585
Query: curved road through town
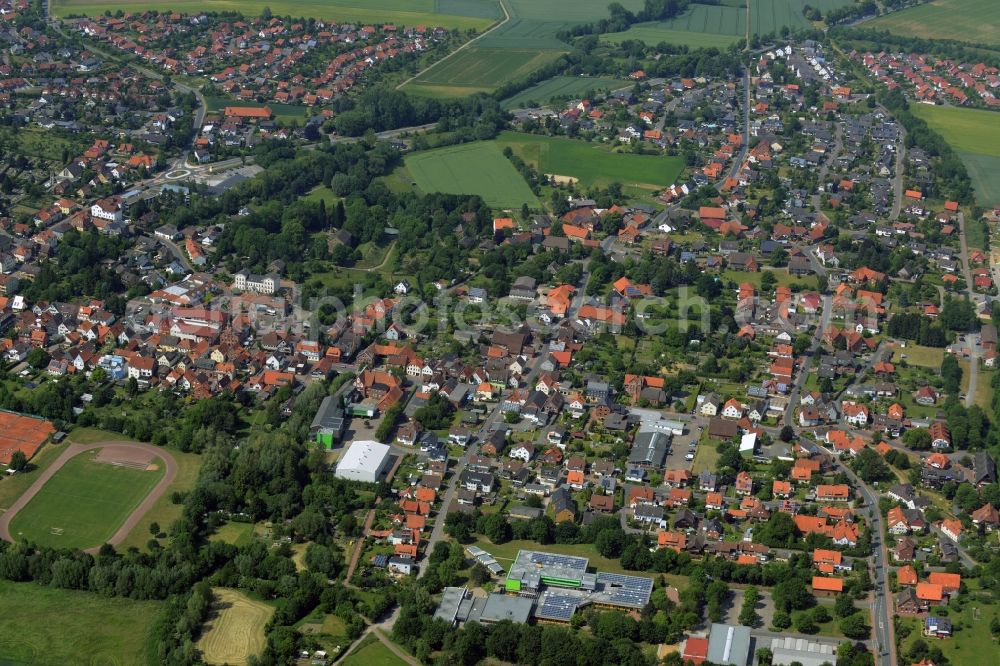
x,y
73,450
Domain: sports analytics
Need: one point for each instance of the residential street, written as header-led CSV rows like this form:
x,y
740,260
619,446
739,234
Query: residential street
x,y
803,372
897,181
882,609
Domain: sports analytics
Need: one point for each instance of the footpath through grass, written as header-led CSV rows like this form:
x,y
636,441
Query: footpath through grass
x,y
42,625
372,652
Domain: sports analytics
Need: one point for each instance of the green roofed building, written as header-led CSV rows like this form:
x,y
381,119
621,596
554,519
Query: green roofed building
x,y
328,424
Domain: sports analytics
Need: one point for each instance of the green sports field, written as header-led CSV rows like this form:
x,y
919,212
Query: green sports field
x,y
86,500
975,21
472,168
45,626
561,86
592,163
460,14
975,135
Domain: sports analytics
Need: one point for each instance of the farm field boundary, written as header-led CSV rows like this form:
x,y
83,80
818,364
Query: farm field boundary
x,y
459,14
976,21
975,136
561,86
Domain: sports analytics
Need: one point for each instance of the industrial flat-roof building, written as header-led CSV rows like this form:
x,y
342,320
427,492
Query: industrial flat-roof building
x,y
561,585
729,645
459,605
364,460
547,586
328,424
789,649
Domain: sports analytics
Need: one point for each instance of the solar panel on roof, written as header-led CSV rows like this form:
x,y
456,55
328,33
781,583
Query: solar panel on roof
x,y
557,607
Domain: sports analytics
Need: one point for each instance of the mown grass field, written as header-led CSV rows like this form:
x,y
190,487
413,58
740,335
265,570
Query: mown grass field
x,y
87,500
472,168
975,135
164,511
372,652
975,21
235,629
46,626
926,357
322,193
561,86
592,163
461,14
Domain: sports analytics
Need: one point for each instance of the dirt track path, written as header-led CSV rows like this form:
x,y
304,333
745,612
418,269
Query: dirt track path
x,y
73,450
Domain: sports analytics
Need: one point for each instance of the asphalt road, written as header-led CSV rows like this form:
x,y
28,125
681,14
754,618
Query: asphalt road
x,y
885,646
803,372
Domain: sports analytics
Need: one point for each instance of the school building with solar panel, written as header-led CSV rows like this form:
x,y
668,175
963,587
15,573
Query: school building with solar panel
x,y
548,587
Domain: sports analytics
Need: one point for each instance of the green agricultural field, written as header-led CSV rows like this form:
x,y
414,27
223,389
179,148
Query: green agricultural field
x,y
976,21
592,163
534,23
561,86
720,25
460,14
473,70
975,135
518,46
652,34
46,626
472,168
86,500
970,130
984,170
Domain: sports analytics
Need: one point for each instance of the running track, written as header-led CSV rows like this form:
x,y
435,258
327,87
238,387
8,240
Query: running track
x,y
73,450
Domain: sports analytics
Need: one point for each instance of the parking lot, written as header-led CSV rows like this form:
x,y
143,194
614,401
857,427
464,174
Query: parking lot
x,y
680,448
